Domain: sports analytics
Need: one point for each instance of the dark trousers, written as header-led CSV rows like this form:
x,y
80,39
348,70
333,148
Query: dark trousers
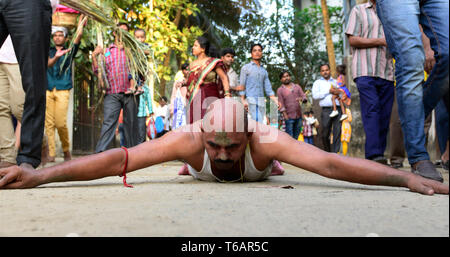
x,y
397,153
142,134
111,111
293,127
309,140
29,24
442,121
329,123
376,98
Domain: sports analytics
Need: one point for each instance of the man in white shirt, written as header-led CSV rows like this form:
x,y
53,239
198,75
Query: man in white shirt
x,y
322,90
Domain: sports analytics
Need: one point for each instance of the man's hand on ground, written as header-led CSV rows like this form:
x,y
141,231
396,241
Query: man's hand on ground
x,y
16,177
426,186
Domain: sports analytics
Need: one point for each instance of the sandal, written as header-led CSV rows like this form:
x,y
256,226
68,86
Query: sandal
x,y
445,165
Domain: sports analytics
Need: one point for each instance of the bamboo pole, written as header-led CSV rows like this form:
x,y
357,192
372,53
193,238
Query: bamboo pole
x,y
330,46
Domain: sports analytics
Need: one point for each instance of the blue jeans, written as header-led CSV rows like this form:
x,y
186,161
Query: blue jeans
x,y
293,127
257,112
376,98
309,140
400,21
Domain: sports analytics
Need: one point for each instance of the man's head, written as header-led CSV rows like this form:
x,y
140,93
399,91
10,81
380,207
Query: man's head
x,y
140,34
285,77
59,35
227,55
256,51
163,100
325,71
185,69
225,132
121,25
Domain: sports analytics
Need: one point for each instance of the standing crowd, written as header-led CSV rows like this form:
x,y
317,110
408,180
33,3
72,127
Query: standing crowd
x,y
419,44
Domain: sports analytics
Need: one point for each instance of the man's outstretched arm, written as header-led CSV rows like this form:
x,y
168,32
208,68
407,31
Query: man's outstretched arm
x,y
95,166
350,169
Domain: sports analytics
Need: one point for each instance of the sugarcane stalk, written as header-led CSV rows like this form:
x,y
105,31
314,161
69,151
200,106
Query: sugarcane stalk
x,y
136,59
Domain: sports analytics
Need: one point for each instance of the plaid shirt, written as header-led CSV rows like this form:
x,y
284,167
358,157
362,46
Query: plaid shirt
x,y
289,99
307,129
375,61
117,71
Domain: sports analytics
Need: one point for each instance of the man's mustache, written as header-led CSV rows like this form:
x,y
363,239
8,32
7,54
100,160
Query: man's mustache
x,y
219,161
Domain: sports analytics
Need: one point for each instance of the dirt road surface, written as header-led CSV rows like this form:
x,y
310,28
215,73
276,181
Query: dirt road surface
x,y
297,204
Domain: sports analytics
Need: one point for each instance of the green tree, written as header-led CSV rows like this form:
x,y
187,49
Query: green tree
x,y
293,39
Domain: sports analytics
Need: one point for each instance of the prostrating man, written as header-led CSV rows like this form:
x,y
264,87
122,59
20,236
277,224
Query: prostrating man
x,y
117,73
59,76
322,90
401,20
224,146
373,73
290,95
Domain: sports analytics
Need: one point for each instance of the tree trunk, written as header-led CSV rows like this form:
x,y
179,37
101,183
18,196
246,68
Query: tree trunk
x,y
330,46
162,88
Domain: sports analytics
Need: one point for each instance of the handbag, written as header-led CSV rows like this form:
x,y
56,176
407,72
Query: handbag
x,y
314,127
151,128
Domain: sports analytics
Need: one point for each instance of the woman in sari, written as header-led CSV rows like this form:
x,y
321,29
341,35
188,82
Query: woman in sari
x,y
206,82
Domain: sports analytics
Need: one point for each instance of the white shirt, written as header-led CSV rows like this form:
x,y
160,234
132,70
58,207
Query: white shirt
x,y
7,54
54,4
232,78
321,91
161,111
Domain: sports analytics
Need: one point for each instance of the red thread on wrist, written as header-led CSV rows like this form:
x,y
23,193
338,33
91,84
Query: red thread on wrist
x,y
124,173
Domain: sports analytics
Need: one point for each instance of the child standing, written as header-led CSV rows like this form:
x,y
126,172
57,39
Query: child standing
x,y
308,124
145,107
346,132
344,97
138,89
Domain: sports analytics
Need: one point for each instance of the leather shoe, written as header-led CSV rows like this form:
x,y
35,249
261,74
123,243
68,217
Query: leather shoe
x,y
427,170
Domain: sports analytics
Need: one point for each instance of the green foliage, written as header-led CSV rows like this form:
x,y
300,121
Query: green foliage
x,y
293,40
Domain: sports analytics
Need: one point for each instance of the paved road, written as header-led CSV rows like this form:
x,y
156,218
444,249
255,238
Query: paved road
x,y
165,204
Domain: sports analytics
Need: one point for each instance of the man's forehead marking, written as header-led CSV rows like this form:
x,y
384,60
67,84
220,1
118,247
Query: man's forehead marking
x,y
222,138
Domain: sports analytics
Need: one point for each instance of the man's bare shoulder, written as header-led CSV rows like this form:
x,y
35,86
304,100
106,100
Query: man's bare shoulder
x,y
264,139
188,138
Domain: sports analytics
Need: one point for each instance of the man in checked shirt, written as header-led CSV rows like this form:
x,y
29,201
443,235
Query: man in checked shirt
x,y
117,74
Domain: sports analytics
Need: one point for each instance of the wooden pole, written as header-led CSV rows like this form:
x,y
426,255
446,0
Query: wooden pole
x,y
329,40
